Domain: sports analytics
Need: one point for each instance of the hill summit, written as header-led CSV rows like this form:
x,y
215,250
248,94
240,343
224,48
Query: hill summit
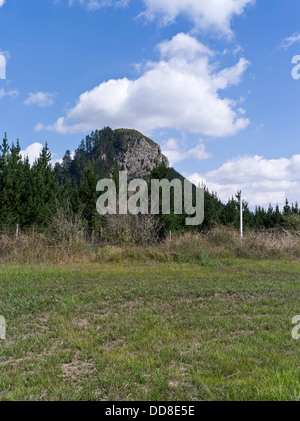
x,y
106,151
141,155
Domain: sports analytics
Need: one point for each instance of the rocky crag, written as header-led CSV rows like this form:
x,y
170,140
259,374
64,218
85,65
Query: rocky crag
x,y
140,154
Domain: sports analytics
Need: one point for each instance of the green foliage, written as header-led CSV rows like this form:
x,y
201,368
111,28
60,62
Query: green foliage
x,y
29,194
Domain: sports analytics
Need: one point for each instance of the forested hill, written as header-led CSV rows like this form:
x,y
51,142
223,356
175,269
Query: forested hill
x,y
109,150
32,194
105,152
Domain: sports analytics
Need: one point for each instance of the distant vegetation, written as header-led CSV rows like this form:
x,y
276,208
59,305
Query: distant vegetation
x,y
71,246
38,195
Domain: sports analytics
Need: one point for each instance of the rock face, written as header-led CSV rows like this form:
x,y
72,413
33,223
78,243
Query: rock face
x,y
141,154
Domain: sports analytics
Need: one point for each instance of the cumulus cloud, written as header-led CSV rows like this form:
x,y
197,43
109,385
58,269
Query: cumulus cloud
x,y
289,41
212,14
180,91
32,152
262,181
2,2
41,99
176,151
183,46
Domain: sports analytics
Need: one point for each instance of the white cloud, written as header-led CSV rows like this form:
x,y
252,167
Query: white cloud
x,y
212,14
175,151
41,99
181,91
289,41
2,2
183,46
4,93
32,151
93,5
204,14
262,181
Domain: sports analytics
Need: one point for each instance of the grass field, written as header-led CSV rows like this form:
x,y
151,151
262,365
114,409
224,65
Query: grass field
x,y
220,330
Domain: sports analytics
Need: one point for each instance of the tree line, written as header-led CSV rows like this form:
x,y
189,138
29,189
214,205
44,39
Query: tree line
x,y
31,194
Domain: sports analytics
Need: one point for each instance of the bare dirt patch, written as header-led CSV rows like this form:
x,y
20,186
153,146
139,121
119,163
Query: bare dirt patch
x,y
77,369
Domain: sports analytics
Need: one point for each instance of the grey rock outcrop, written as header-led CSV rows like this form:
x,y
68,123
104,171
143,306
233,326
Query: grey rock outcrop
x,y
141,155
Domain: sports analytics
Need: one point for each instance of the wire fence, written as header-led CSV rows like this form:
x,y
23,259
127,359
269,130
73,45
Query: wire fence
x,y
92,237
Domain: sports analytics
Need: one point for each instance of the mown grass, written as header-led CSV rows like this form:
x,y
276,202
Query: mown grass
x,y
219,330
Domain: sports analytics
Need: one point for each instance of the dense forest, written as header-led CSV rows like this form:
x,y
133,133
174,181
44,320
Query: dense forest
x,y
31,194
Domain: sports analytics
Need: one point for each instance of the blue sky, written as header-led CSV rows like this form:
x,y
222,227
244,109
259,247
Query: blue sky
x,y
209,81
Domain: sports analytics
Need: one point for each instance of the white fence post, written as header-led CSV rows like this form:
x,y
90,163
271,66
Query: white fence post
x,y
241,217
